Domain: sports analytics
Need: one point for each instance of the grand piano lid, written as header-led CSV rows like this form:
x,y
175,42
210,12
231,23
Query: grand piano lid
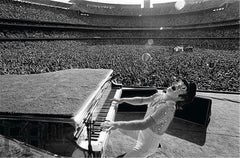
x,y
59,93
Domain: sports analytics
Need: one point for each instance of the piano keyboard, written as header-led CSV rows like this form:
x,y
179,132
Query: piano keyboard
x,y
102,113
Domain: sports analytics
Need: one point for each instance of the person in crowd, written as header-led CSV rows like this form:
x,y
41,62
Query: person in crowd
x,y
160,112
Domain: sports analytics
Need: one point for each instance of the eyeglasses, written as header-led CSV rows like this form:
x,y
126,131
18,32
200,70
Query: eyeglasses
x,y
179,85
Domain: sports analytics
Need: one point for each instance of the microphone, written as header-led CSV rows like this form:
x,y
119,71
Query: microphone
x,y
114,76
114,84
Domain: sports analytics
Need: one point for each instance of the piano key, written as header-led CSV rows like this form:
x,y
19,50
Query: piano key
x,y
92,139
100,119
95,135
98,124
102,114
96,132
97,128
105,111
105,107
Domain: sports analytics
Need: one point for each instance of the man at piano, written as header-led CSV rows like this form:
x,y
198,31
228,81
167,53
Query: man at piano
x,y
160,112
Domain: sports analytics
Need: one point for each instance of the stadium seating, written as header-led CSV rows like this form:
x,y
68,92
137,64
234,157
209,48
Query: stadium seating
x,y
213,33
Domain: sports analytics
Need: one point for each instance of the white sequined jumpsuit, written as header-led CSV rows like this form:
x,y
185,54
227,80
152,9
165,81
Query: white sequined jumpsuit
x,y
148,141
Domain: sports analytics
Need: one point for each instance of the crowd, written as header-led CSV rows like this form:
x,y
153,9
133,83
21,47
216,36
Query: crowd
x,y
216,32
11,9
213,64
210,69
16,10
194,18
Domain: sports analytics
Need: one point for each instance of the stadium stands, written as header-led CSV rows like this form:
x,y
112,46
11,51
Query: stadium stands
x,y
156,10
57,4
38,38
108,9
19,10
45,56
213,33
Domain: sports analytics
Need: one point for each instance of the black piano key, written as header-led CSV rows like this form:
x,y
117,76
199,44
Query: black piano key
x,y
95,136
101,117
98,123
102,114
104,110
97,127
92,139
97,131
107,103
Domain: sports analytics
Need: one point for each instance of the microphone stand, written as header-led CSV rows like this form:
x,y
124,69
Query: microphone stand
x,y
88,122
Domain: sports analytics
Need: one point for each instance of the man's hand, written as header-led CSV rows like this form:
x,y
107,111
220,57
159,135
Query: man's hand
x,y
118,100
108,125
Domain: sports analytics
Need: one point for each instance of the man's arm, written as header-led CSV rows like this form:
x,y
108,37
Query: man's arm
x,y
136,100
147,122
130,125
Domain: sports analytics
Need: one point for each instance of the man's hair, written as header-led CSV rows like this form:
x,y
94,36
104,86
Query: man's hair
x,y
189,96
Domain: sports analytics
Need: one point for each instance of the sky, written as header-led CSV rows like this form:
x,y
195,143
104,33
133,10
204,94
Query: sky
x,y
125,1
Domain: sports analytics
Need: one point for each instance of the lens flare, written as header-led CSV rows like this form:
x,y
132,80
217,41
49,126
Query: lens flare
x,y
150,42
146,57
180,4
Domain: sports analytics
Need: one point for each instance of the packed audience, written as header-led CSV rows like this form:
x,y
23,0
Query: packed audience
x,y
210,69
11,9
226,38
16,10
216,32
213,64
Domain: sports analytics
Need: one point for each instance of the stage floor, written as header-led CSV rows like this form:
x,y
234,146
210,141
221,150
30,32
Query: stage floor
x,y
185,139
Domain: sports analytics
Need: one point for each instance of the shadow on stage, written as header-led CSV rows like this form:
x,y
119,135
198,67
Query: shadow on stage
x,y
188,131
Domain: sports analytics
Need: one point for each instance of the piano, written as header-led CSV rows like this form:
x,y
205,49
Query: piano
x,y
66,108
89,138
